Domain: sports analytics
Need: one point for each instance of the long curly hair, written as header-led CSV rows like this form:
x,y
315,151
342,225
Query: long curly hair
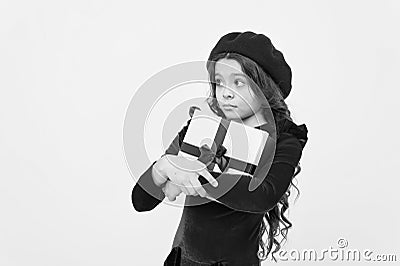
x,y
263,86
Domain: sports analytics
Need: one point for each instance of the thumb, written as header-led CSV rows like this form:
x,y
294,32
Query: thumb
x,y
171,197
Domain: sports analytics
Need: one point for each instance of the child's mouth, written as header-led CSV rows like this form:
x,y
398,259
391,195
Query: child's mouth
x,y
228,106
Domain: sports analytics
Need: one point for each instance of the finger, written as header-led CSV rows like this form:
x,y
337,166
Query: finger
x,y
175,190
198,187
190,188
172,189
183,189
171,197
166,190
209,177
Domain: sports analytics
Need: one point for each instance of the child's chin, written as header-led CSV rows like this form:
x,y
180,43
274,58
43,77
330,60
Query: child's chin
x,y
232,115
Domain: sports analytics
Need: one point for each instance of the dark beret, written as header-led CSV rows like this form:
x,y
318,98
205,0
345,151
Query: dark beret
x,y
259,48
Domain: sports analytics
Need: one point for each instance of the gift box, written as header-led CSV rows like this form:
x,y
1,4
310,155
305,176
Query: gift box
x,y
244,144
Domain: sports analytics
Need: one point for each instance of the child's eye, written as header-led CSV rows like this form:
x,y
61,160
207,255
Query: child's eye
x,y
239,83
218,82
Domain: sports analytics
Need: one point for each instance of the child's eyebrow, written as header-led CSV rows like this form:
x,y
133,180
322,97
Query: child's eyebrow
x,y
233,74
239,74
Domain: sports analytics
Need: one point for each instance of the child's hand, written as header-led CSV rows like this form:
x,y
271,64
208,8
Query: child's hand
x,y
171,190
184,173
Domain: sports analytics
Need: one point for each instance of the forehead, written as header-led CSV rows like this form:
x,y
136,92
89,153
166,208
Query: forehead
x,y
227,67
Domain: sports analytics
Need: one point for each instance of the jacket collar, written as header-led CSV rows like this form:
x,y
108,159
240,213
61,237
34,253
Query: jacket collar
x,y
287,126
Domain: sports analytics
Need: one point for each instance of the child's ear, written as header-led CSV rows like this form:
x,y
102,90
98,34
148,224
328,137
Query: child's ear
x,y
192,109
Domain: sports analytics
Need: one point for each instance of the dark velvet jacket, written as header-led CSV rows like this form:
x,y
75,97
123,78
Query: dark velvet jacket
x,y
226,232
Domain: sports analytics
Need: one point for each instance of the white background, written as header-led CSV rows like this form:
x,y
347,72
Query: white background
x,y
68,70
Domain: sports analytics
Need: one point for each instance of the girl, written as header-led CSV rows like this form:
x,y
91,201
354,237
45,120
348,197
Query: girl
x,y
244,70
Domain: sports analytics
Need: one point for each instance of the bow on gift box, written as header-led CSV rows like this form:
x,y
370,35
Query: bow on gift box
x,y
244,160
209,157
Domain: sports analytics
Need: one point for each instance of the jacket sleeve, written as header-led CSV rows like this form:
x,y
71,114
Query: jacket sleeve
x,y
233,189
146,195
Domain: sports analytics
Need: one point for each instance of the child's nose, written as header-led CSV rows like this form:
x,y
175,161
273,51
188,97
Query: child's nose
x,y
228,93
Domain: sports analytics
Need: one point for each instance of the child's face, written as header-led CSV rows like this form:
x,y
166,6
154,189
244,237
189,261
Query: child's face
x,y
233,92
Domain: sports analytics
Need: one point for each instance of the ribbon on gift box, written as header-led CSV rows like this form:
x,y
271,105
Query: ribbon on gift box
x,y
211,157
218,140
